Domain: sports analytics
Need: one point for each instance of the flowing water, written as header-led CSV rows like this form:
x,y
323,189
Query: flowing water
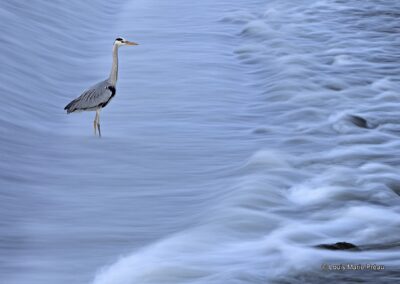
x,y
243,134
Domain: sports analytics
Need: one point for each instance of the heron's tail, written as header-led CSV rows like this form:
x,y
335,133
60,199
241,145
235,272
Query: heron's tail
x,y
70,107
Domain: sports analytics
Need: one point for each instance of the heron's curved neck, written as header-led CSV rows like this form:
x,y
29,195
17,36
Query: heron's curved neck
x,y
114,68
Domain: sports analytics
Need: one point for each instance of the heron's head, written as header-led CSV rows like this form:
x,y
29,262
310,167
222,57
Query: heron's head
x,y
121,41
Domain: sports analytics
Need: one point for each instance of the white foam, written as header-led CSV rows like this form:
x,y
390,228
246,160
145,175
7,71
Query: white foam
x,y
258,28
343,59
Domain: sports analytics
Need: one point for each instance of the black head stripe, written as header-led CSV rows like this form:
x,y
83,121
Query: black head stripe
x,y
119,39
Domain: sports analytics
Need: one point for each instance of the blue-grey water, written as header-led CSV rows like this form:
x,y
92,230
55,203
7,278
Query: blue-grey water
x,y
243,134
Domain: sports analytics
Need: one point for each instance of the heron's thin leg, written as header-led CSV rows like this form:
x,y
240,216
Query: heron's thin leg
x,y
95,124
98,121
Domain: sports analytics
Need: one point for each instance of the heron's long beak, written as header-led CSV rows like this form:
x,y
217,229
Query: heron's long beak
x,y
130,43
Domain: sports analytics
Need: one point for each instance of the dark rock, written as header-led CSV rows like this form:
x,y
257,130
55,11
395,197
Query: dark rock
x,y
359,121
260,130
395,186
339,246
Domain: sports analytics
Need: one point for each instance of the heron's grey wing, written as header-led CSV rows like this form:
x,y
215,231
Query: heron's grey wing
x,y
95,97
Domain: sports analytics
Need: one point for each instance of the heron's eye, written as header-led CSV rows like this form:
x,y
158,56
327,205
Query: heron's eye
x,y
119,39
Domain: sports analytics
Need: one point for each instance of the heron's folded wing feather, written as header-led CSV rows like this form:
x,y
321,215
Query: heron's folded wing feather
x,y
95,96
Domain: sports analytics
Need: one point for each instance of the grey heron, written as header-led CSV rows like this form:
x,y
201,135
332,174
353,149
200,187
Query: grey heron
x,y
98,96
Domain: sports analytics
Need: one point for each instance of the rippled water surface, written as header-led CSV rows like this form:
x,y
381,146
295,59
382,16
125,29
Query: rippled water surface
x,y
243,134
